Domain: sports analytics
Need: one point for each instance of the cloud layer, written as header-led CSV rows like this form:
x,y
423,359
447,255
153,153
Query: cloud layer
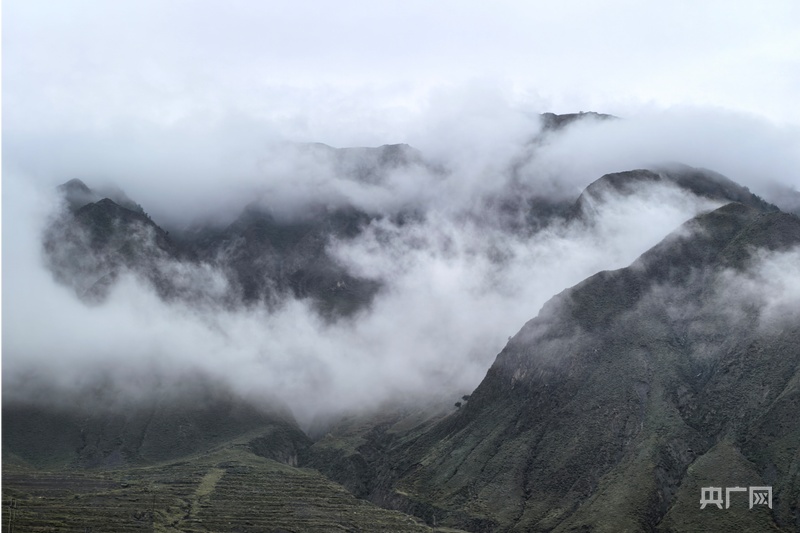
x,y
195,125
456,287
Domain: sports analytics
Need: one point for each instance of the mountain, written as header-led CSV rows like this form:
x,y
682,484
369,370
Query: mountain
x,y
523,213
268,259
264,259
98,428
77,194
552,122
369,165
698,182
90,246
610,409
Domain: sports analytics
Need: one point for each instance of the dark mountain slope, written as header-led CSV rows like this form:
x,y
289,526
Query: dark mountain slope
x,y
90,247
107,222
263,259
608,411
96,427
522,212
268,259
699,182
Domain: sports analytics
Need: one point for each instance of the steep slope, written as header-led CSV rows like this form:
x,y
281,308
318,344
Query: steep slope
x,y
626,394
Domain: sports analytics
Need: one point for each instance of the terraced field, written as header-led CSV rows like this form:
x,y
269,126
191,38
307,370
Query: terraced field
x,y
228,490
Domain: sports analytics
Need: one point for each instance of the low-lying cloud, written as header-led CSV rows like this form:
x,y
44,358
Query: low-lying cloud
x,y
770,285
478,138
458,281
456,288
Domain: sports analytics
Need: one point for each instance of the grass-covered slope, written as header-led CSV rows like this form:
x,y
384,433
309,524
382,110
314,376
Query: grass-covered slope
x,y
196,459
229,489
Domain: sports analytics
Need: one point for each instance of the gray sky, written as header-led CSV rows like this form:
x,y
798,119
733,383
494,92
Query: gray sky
x,y
316,70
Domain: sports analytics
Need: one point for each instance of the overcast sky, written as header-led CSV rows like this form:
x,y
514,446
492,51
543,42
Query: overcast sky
x,y
352,71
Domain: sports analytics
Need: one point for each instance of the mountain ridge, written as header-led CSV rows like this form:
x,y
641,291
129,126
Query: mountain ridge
x,y
468,468
607,411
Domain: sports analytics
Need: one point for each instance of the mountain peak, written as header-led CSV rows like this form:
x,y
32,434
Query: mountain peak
x,y
75,185
554,122
77,194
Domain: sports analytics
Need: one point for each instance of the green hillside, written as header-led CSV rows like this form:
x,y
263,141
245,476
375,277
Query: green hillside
x,y
230,489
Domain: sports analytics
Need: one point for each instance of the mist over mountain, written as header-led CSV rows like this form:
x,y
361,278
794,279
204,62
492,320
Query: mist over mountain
x,y
274,286
337,278
328,310
429,267
625,395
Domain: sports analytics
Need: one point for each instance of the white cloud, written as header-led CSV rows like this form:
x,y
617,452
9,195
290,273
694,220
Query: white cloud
x,y
770,283
456,288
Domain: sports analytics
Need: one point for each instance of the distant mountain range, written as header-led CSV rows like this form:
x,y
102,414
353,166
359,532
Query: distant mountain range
x,y
608,411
